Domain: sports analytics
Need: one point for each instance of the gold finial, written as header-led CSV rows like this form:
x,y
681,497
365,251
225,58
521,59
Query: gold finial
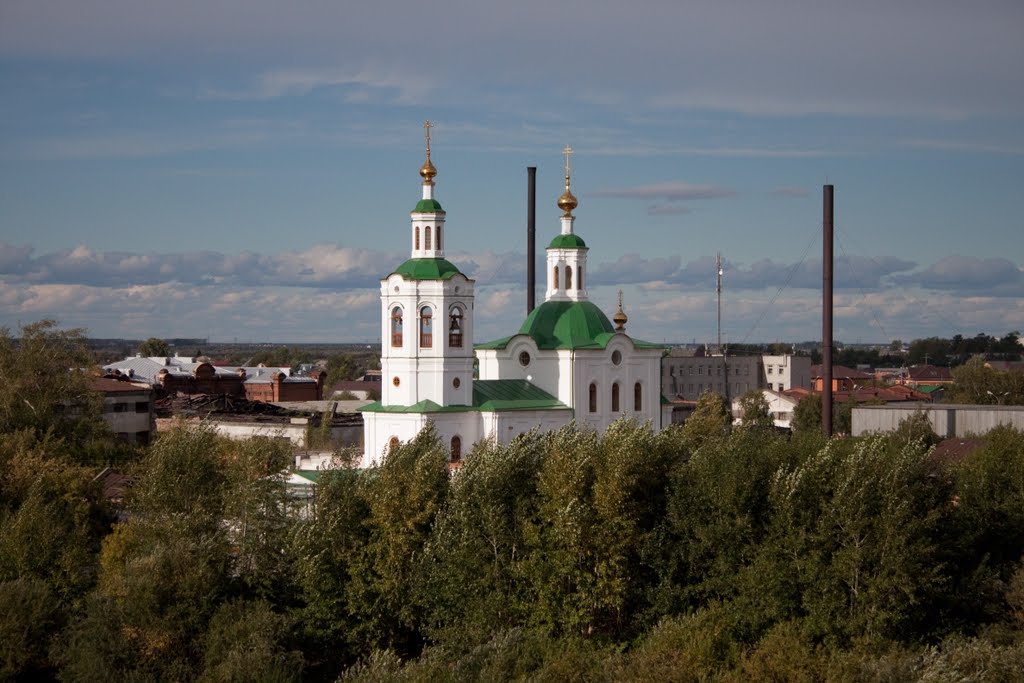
x,y
620,319
567,202
427,170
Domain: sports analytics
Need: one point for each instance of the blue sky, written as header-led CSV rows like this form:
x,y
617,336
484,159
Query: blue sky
x,y
245,169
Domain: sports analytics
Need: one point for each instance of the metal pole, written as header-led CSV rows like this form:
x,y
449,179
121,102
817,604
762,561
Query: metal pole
x,y
826,314
531,238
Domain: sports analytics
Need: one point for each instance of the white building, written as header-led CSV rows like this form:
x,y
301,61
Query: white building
x,y
780,406
566,361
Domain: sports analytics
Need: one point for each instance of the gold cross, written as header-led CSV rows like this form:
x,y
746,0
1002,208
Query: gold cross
x,y
567,152
428,125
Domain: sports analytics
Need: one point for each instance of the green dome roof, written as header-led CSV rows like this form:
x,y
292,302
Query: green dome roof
x,y
427,269
428,206
568,325
570,241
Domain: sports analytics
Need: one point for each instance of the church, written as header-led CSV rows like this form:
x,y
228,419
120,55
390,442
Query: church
x,y
567,362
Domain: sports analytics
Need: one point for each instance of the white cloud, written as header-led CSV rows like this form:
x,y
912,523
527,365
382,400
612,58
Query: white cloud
x,y
673,190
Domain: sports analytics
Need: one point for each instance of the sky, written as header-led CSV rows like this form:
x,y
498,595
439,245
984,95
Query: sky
x,y
245,170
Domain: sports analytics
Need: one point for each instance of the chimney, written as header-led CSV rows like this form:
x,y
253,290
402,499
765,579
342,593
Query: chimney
x,y
531,238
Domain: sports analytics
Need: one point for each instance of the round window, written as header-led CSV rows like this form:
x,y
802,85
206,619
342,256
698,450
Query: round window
x,y
524,358
396,381
616,357
456,383
396,289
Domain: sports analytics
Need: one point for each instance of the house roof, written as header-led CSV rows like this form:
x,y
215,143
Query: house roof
x,y
841,372
427,269
111,386
924,373
489,395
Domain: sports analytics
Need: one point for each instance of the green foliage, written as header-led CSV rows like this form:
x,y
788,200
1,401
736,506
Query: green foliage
x,y
915,428
710,421
45,383
30,615
754,411
403,496
153,347
247,641
807,414
974,382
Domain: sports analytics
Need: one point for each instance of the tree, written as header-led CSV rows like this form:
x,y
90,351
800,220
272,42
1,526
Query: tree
x,y
710,420
44,382
807,414
154,347
754,411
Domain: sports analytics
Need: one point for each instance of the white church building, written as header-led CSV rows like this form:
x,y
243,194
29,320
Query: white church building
x,y
567,361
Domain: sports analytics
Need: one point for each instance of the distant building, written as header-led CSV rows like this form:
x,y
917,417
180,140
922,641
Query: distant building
x,y
184,375
947,420
780,407
843,378
686,376
127,408
928,375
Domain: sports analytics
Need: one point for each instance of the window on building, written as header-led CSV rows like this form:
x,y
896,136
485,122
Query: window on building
x,y
568,277
700,370
554,282
769,369
120,408
593,397
638,397
579,277
426,327
438,237
769,386
417,239
393,443
396,326
426,238
455,328
142,407
615,397
456,449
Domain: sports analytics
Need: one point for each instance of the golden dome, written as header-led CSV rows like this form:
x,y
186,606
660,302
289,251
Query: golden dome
x,y
567,202
428,171
620,318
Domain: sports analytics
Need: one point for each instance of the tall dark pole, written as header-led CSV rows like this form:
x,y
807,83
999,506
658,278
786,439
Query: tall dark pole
x,y
531,238
826,314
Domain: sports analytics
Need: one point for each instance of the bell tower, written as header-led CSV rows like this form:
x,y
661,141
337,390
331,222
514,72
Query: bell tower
x,y
427,314
567,253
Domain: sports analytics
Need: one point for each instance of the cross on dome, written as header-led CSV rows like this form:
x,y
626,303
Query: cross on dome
x,y
567,202
427,170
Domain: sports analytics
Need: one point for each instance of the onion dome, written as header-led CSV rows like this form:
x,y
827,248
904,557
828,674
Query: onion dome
x,y
620,318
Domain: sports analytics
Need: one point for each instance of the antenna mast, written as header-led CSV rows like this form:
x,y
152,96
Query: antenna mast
x,y
719,290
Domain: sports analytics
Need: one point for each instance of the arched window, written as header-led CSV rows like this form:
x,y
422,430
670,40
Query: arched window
x,y
455,328
568,277
456,449
396,326
615,397
593,397
579,277
393,443
438,237
554,274
426,238
426,325
638,397
417,245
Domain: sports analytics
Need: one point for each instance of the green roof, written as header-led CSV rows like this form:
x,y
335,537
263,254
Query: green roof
x,y
570,241
428,206
427,269
567,325
490,395
512,394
